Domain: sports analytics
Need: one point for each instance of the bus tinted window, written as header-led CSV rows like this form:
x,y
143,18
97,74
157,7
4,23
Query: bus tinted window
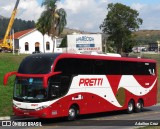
x,y
105,67
113,67
137,68
37,64
59,85
74,66
109,67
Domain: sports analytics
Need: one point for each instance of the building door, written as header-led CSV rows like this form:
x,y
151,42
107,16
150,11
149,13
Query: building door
x,y
26,46
37,46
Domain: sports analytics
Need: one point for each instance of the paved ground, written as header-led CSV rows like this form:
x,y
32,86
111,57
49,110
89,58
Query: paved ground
x,y
110,120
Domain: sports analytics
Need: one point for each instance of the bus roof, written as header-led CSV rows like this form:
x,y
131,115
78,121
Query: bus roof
x,y
102,57
37,64
43,63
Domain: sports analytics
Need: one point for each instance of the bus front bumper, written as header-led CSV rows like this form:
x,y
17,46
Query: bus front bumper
x,y
43,113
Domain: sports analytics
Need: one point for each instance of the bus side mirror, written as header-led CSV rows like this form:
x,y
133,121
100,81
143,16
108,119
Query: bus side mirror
x,y
6,76
45,82
45,78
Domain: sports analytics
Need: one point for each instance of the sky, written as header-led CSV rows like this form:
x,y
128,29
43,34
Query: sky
x,y
86,15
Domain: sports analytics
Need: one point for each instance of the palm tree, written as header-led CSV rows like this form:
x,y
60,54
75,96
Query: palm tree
x,y
52,20
56,17
40,25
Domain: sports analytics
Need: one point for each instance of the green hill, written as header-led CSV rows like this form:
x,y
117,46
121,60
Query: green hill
x,y
147,36
18,25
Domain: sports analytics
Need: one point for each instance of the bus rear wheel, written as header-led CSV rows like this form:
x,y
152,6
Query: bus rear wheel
x,y
139,106
130,107
72,113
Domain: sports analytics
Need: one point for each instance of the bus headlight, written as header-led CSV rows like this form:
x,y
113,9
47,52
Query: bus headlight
x,y
40,108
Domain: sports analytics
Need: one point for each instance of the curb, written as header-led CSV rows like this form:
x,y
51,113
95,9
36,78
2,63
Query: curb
x,y
5,118
157,104
10,118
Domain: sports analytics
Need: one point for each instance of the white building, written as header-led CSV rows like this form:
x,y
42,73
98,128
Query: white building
x,y
31,40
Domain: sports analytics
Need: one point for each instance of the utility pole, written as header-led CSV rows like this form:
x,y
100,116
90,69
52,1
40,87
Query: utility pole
x,y
13,40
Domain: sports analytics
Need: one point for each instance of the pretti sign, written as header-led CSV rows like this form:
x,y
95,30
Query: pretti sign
x,y
90,82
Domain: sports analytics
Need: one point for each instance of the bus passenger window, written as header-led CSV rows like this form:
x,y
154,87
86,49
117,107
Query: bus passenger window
x,y
55,91
151,71
99,67
65,84
54,82
59,85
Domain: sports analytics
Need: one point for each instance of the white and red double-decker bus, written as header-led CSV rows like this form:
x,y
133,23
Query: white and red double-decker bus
x,y
58,85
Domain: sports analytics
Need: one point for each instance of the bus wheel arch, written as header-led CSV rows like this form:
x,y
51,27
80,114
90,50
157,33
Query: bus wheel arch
x,y
73,112
130,106
139,105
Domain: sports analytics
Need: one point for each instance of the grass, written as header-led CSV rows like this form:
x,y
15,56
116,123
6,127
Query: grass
x,y
9,62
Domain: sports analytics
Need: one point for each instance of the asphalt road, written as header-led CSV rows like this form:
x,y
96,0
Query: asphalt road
x,y
109,120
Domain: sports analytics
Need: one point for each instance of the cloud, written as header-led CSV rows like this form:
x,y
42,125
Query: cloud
x,y
27,9
138,6
5,8
150,15
85,15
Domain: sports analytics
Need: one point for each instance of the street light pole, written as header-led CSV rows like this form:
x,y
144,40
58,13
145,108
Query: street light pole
x,y
105,42
158,46
105,45
13,40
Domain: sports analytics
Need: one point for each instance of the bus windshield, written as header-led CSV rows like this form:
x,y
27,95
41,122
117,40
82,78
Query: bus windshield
x,y
30,89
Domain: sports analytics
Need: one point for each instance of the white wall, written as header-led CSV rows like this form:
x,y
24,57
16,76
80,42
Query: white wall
x,y
32,38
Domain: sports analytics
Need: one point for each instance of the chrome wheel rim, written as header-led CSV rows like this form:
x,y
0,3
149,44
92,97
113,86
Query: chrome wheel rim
x,y
138,105
72,112
130,107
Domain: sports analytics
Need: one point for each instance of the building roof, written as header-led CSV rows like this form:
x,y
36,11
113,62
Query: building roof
x,y
20,34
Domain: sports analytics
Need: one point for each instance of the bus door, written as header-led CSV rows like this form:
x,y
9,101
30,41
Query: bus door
x,y
59,85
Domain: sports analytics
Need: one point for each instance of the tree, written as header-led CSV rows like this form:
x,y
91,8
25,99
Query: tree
x,y
119,24
64,42
41,26
127,47
52,20
56,17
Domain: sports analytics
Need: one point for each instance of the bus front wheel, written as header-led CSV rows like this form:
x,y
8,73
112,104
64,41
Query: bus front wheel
x,y
72,113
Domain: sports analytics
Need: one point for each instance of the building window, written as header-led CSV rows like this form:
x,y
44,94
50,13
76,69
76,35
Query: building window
x,y
47,46
26,46
37,44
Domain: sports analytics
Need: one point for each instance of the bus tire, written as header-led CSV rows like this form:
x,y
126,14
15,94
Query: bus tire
x,y
72,113
139,106
130,107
